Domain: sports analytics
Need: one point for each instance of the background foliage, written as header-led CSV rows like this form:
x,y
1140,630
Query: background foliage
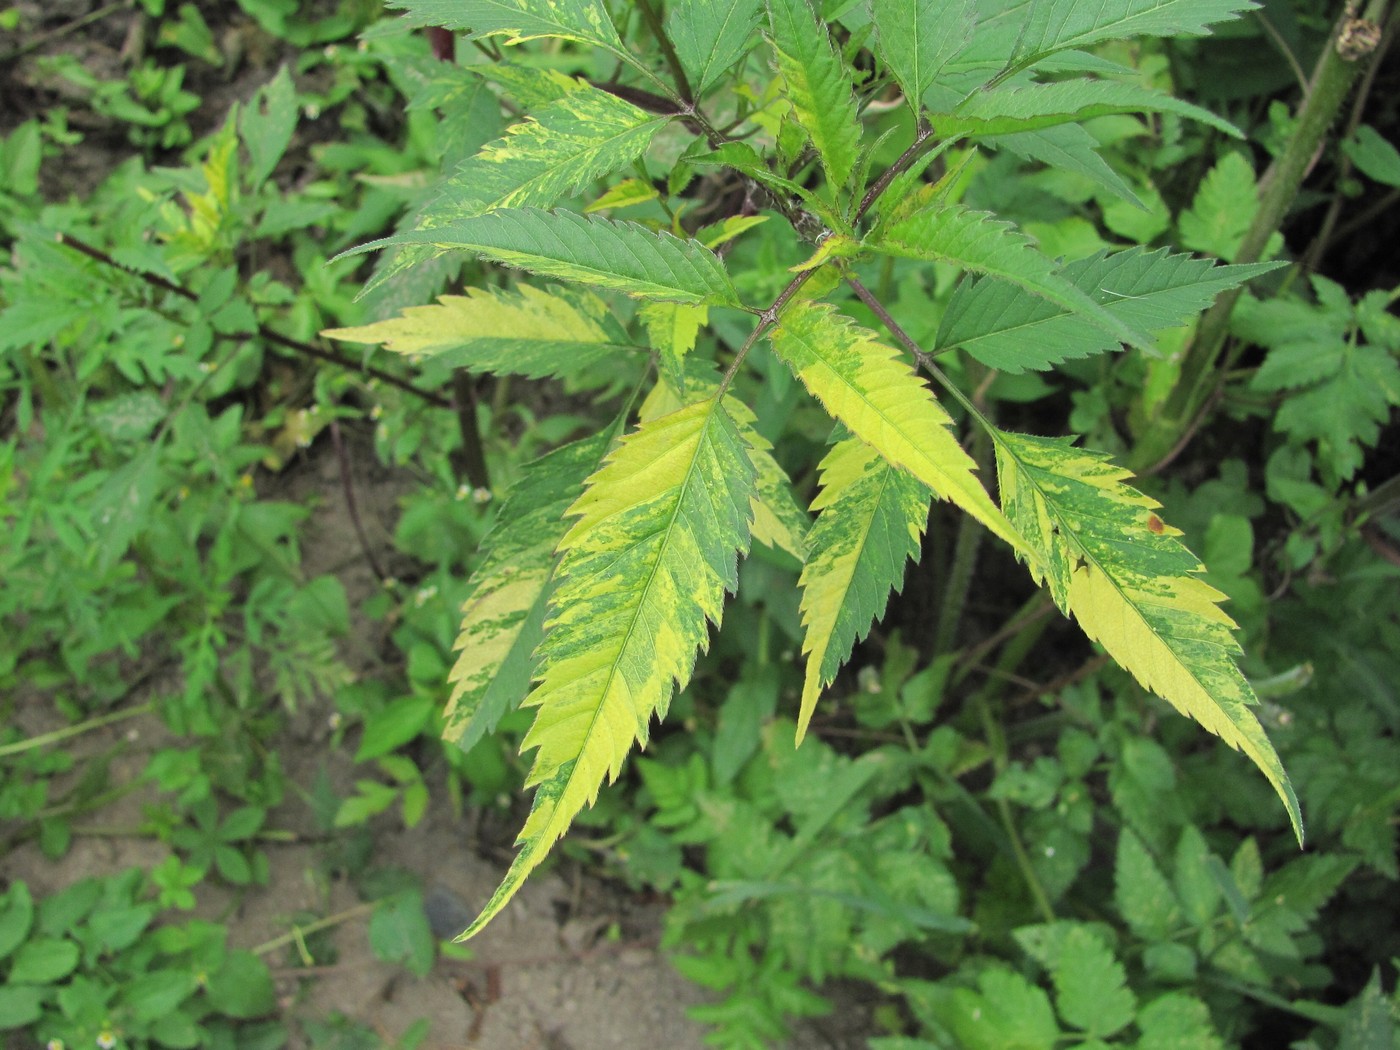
x,y
992,831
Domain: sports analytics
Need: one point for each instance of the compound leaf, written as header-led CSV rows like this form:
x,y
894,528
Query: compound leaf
x,y
981,243
1109,560
643,572
621,255
818,85
525,332
872,516
865,385
503,616
1003,327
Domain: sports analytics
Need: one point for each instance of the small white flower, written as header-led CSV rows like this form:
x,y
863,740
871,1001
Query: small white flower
x,y
424,594
1049,851
481,495
334,720
54,1044
106,1040
463,491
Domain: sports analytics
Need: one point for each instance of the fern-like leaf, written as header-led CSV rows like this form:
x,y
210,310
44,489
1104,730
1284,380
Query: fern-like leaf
x,y
586,21
916,38
643,573
1003,327
866,386
584,248
525,332
872,516
1111,562
981,243
818,85
711,35
503,616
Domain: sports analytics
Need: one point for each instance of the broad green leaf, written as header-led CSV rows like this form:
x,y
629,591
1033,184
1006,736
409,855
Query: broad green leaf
x,y
1005,1011
1055,25
1373,155
525,332
643,573
503,616
1090,985
711,35
1033,106
872,516
979,242
865,385
818,85
587,249
916,38
1003,327
266,125
1142,894
1108,559
563,146
1177,1021
586,21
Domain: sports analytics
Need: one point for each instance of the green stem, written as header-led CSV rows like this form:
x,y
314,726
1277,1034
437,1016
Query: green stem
x,y
1203,364
959,581
298,932
44,739
668,51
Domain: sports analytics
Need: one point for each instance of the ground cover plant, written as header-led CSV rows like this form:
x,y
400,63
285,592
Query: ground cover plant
x,y
814,297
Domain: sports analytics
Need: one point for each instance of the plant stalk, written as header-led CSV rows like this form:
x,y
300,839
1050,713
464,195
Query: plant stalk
x,y
1203,365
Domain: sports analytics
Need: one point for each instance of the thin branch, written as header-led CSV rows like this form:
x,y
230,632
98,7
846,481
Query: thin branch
x,y
668,50
350,506
263,332
921,140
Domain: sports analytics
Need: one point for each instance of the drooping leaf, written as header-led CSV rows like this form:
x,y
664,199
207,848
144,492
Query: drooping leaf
x,y
1030,107
581,136
865,385
626,194
981,243
1003,327
1055,25
586,21
643,573
818,85
872,516
525,332
587,249
503,616
1109,560
711,35
916,38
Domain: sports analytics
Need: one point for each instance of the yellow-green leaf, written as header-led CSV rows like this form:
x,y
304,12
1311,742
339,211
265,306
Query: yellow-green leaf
x,y
525,332
1109,560
673,328
865,385
872,516
503,616
625,194
643,573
